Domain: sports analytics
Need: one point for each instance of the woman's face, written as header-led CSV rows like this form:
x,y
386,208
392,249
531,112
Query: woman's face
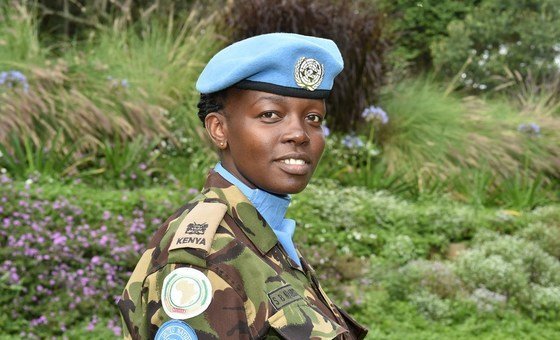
x,y
273,142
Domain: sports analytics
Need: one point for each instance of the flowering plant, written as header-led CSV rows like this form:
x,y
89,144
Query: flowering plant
x,y
65,262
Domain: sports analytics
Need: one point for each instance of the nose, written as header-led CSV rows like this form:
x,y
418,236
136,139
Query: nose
x,y
295,132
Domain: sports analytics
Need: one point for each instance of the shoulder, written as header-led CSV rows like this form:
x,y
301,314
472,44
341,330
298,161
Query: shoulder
x,y
186,237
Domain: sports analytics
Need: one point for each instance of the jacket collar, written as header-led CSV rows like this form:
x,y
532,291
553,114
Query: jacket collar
x,y
242,211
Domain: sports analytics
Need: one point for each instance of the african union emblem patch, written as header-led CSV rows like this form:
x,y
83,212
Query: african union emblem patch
x,y
308,73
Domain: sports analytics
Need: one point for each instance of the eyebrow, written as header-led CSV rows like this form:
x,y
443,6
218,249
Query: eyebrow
x,y
275,99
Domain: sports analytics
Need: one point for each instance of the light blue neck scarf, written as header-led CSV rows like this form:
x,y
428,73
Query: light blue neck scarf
x,y
271,207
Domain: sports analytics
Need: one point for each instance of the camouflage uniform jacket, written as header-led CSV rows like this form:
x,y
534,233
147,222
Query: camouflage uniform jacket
x,y
258,291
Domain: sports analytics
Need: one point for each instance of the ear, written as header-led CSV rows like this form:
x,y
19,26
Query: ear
x,y
217,129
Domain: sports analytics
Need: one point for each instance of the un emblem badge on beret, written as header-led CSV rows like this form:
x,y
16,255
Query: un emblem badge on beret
x,y
309,73
186,293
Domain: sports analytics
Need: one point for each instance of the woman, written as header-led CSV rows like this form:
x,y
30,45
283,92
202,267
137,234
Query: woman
x,y
224,266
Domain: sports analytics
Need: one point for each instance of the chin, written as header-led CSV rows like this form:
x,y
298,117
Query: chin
x,y
288,188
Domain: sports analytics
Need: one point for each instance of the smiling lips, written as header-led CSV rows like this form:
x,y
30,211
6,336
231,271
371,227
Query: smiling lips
x,y
293,161
295,164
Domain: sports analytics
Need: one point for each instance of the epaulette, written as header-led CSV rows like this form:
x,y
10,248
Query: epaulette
x,y
197,228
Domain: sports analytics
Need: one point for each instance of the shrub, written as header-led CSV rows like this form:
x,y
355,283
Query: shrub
x,y
431,305
400,250
487,300
513,267
414,25
544,302
499,33
477,269
355,27
547,236
66,258
417,276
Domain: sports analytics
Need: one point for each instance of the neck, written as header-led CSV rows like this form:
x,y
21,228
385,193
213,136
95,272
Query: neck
x,y
272,207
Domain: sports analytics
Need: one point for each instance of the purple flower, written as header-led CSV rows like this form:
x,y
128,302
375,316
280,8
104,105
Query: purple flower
x,y
14,277
531,129
113,325
192,191
58,238
95,260
326,130
374,113
39,321
13,78
142,166
106,215
352,142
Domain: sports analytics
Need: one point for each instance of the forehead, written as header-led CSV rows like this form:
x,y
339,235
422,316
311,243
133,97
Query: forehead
x,y
251,98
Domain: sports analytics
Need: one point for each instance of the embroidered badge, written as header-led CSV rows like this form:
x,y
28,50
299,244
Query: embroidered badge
x,y
198,228
308,73
175,329
283,296
186,293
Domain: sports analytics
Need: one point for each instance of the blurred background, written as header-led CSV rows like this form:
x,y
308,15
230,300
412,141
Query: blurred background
x,y
435,211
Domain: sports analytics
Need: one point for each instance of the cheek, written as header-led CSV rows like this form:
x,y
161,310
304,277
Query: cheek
x,y
319,145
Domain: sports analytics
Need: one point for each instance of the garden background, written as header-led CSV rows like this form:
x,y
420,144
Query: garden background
x,y
435,211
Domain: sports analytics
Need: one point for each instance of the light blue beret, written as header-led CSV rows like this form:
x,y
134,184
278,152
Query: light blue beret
x,y
282,63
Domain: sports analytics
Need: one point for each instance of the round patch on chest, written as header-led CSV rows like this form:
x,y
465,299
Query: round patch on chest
x,y
175,330
186,293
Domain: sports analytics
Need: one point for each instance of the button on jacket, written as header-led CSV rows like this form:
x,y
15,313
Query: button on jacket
x,y
258,292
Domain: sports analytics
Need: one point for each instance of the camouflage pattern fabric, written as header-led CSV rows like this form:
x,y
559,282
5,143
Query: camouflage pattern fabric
x,y
258,291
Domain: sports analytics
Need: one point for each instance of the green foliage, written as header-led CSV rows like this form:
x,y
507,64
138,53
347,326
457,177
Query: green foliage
x,y
95,96
116,111
75,19
520,35
414,25
546,235
338,233
19,41
435,142
68,250
515,268
25,158
355,26
400,249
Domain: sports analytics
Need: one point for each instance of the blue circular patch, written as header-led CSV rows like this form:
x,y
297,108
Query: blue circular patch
x,y
175,330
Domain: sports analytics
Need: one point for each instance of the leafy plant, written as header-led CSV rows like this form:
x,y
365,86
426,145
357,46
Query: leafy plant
x,y
22,158
412,26
499,33
18,29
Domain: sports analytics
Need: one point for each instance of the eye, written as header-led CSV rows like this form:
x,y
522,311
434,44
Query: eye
x,y
315,118
270,116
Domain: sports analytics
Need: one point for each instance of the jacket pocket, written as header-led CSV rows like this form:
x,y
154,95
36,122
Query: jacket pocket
x,y
298,321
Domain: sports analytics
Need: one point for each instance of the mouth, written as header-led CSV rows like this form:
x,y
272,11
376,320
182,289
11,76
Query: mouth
x,y
295,164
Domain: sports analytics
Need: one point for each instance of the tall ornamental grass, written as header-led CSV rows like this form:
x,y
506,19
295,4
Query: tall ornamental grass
x,y
436,134
19,40
115,87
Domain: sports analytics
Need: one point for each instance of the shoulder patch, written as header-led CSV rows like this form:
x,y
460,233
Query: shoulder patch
x,y
199,226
